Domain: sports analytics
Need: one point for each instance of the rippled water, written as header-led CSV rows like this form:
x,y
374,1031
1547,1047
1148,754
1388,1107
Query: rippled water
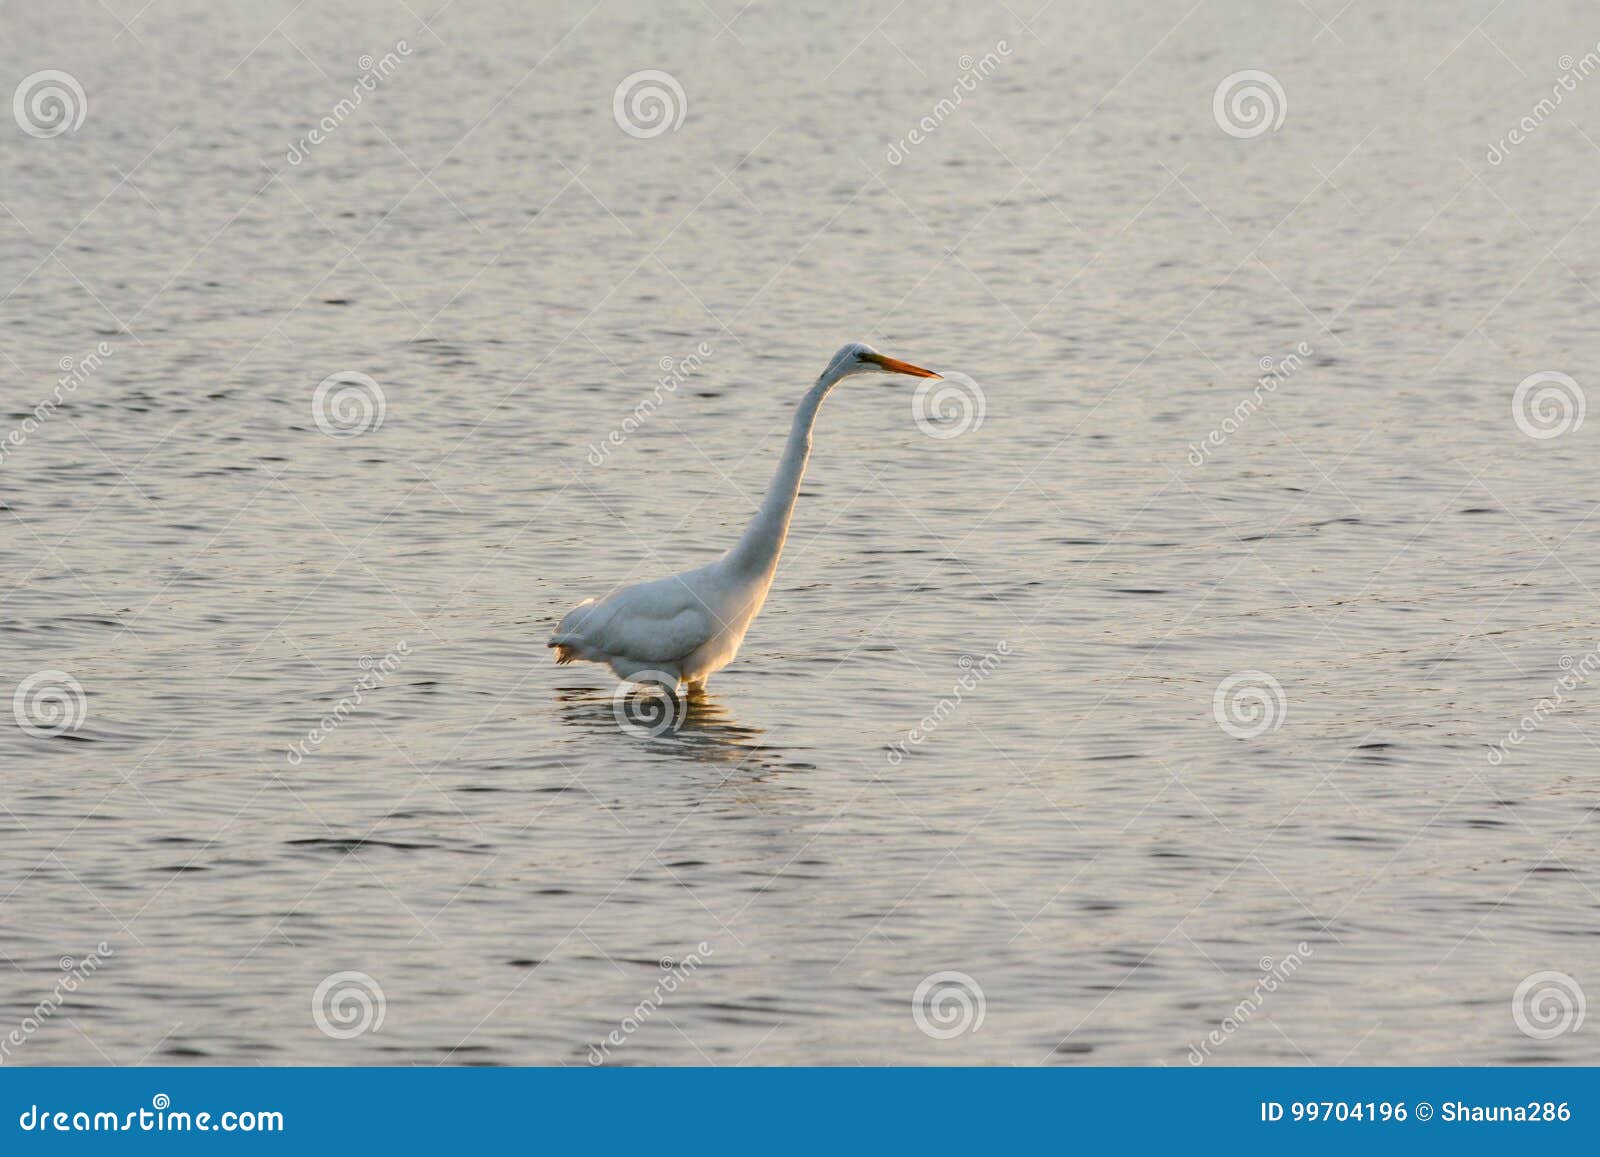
x,y
1397,570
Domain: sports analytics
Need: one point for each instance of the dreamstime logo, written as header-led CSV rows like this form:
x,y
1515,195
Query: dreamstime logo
x,y
1548,404
375,671
1274,975
973,672
1547,1004
1571,73
348,404
674,372
673,974
347,1004
73,974
972,71
74,372
49,703
1249,703
649,103
49,103
1249,103
1273,375
1575,674
647,705
372,72
948,406
948,1004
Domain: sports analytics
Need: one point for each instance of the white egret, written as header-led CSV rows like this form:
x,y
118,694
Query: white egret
x,y
685,628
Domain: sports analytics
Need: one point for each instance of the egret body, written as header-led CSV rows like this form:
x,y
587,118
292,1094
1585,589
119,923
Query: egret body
x,y
684,628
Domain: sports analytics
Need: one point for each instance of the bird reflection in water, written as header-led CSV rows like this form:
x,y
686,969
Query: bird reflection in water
x,y
690,726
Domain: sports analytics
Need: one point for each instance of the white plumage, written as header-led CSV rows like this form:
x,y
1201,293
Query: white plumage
x,y
684,628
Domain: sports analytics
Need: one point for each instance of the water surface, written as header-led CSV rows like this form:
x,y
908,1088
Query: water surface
x,y
1078,835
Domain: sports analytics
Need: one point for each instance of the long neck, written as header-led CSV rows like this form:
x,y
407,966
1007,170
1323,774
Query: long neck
x,y
762,542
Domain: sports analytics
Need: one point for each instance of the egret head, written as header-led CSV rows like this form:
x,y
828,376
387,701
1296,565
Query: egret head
x,y
860,358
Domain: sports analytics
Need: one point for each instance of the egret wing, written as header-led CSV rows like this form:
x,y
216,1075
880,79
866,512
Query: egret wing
x,y
660,622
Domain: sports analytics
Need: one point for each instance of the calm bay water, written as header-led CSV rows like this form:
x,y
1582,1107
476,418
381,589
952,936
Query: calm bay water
x,y
1390,569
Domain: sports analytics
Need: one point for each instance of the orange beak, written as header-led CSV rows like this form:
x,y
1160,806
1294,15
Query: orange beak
x,y
896,366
